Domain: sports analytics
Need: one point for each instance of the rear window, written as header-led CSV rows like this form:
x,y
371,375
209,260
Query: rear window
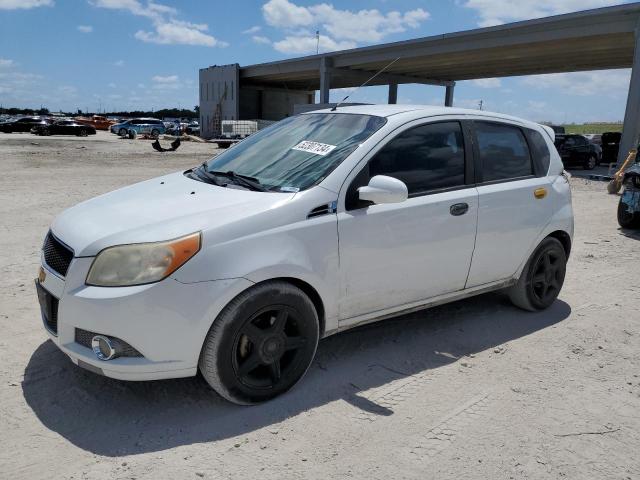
x,y
540,150
504,153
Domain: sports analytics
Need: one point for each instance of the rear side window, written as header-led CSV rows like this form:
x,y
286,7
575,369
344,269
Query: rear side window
x,y
504,153
428,157
540,151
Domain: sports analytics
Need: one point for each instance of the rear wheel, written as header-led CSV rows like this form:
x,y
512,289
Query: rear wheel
x,y
591,163
155,133
261,344
627,219
83,132
542,277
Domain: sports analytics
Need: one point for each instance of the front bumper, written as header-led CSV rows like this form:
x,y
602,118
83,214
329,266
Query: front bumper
x,y
166,322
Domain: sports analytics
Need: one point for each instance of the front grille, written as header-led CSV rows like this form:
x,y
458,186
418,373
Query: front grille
x,y
56,255
48,308
84,337
52,320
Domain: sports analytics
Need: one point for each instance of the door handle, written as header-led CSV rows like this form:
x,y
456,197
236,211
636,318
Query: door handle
x,y
458,209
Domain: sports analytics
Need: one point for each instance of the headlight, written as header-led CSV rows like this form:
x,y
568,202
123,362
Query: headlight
x,y
140,263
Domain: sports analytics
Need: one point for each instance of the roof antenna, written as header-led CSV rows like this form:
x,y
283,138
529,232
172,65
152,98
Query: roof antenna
x,y
335,107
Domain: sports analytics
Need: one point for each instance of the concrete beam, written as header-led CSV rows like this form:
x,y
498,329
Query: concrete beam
x,y
325,79
362,76
448,96
631,127
393,93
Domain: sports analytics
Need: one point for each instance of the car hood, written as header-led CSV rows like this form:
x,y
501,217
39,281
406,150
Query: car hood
x,y
159,209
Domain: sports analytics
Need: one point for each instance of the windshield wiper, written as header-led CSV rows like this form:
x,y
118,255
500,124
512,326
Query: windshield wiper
x,y
249,182
202,174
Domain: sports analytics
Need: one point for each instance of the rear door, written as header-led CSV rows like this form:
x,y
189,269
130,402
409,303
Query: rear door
x,y
395,254
514,205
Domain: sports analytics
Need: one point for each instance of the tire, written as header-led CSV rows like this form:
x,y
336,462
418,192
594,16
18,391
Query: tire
x,y
83,132
591,163
542,277
122,132
626,219
155,133
261,344
45,132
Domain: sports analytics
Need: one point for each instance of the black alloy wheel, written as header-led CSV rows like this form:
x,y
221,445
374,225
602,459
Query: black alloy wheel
x,y
83,132
267,348
542,277
261,344
548,276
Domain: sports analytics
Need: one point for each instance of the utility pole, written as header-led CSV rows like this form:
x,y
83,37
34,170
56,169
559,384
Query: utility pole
x,y
317,42
480,104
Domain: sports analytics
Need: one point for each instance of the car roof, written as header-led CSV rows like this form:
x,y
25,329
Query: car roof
x,y
386,110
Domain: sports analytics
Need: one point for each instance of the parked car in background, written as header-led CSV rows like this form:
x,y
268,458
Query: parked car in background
x,y
322,222
193,128
64,127
97,121
610,146
576,150
595,138
150,126
23,124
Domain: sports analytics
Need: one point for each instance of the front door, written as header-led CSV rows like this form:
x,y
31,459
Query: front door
x,y
394,254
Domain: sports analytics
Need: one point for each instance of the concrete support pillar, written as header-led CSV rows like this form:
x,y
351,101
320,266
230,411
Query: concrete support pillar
x,y
631,127
393,93
325,79
448,95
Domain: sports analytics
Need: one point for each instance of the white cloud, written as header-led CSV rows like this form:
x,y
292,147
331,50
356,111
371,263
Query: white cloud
x,y
282,13
254,29
85,28
300,45
111,85
118,63
24,4
6,63
168,30
606,82
337,27
167,82
496,12
487,82
261,40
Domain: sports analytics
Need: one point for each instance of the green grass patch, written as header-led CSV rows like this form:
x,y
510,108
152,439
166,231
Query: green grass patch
x,y
593,128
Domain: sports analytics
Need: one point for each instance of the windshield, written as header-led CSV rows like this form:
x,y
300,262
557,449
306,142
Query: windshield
x,y
297,152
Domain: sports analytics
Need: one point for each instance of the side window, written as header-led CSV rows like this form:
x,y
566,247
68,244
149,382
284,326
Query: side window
x,y
540,151
504,153
428,157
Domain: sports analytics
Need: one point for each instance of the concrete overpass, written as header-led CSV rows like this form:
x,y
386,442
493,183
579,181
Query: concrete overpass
x,y
598,39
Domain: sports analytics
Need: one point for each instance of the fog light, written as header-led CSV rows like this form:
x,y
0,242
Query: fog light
x,y
103,347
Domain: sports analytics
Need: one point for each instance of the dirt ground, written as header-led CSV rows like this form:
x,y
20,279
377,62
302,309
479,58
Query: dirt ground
x,y
475,389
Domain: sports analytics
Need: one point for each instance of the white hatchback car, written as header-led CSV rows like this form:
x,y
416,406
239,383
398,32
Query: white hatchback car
x,y
321,222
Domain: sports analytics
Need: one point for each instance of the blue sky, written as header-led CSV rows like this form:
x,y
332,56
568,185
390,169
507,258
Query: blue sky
x,y
130,54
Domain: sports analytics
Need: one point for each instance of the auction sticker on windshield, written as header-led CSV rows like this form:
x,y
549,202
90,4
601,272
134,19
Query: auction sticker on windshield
x,y
314,147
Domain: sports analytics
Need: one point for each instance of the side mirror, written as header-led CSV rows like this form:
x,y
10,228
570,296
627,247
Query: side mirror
x,y
383,189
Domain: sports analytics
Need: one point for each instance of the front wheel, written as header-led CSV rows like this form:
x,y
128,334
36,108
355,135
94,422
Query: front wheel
x,y
83,132
626,217
122,132
155,133
261,344
542,277
591,163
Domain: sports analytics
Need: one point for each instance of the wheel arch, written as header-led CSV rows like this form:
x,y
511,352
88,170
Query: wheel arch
x,y
308,289
564,238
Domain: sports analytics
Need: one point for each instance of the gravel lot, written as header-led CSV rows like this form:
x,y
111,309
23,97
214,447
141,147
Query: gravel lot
x,y
474,389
